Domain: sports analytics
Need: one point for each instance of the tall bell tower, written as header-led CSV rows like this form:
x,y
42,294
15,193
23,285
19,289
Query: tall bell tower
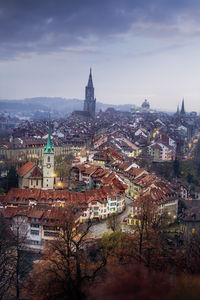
x,y
90,101
48,164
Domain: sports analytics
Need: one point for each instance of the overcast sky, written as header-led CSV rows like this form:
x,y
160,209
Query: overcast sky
x,y
137,49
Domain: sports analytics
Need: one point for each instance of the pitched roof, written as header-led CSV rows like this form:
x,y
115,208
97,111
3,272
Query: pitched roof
x,y
49,148
55,215
49,197
35,213
26,168
36,173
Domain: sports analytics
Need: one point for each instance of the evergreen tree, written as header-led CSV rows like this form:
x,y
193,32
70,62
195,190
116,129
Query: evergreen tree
x,y
12,178
176,167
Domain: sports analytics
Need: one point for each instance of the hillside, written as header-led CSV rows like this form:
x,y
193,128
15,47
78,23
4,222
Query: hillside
x,y
64,106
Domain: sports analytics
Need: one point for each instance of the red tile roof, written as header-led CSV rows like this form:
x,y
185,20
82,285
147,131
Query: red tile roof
x,y
110,150
36,173
55,215
53,197
26,168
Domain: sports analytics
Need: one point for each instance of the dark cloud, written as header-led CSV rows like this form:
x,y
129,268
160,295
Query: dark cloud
x,y
48,25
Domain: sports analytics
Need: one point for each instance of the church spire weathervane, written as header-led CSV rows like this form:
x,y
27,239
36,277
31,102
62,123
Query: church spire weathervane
x,y
90,82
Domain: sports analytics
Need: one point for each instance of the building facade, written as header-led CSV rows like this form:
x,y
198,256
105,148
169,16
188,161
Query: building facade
x,y
29,176
37,152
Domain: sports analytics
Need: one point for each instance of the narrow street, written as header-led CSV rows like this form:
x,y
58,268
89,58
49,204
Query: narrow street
x,y
97,230
125,213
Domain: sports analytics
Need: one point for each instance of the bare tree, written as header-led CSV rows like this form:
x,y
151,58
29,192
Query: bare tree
x,y
67,264
63,165
113,222
146,242
150,240
14,261
7,258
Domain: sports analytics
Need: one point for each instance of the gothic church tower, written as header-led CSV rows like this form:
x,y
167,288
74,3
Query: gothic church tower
x,y
48,164
182,108
90,101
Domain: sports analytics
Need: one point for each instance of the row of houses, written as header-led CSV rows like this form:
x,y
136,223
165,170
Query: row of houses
x,y
159,192
111,198
157,203
29,207
130,177
96,176
35,226
139,183
136,182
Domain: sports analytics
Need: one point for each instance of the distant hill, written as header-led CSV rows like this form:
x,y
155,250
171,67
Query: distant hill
x,y
61,105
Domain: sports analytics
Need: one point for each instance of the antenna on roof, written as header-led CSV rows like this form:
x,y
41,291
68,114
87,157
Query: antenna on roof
x,y
49,120
49,117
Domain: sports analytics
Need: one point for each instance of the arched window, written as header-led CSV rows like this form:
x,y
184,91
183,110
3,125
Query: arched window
x,y
48,159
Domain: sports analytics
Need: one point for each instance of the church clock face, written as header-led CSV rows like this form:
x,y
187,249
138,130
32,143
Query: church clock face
x,y
48,166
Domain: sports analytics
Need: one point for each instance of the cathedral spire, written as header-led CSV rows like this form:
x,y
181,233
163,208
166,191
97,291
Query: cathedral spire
x,y
182,108
90,83
90,101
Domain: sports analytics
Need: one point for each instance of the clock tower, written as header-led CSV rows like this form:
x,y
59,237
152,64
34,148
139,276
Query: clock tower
x,y
48,165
